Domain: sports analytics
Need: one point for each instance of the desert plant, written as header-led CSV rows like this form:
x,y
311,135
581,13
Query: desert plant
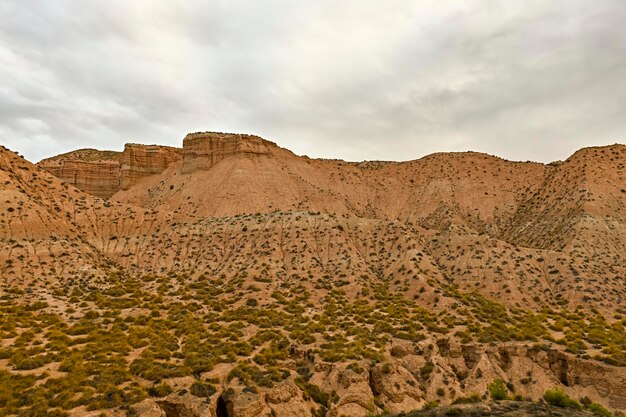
x,y
558,398
497,390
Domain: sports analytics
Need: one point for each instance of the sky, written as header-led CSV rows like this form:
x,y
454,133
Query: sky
x,y
352,79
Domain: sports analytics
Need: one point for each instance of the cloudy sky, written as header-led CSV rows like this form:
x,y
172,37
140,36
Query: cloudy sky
x,y
352,79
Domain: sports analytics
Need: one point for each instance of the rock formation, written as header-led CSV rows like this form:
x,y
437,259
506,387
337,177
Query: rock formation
x,y
104,173
140,161
400,384
203,150
95,172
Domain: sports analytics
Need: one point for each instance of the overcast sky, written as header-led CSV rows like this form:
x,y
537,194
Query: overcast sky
x,y
351,79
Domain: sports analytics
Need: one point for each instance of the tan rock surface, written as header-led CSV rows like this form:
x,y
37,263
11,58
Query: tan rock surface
x,y
103,173
141,161
95,172
202,151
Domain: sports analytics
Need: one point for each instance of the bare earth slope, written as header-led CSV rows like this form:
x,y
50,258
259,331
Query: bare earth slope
x,y
515,231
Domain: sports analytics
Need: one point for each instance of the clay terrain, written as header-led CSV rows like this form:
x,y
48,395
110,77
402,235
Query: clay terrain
x,y
232,278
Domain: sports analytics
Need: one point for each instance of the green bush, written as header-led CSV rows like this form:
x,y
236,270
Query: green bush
x,y
558,398
314,392
453,412
431,405
472,399
204,390
426,370
599,409
497,390
160,390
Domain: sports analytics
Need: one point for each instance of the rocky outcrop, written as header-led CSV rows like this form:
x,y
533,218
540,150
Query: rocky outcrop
x,y
140,161
201,151
100,178
103,173
444,370
89,170
396,387
284,400
466,369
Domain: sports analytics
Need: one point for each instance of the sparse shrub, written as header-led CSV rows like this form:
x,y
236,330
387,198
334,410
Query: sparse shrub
x,y
200,389
314,392
430,405
426,370
558,398
472,399
497,390
599,409
386,368
160,390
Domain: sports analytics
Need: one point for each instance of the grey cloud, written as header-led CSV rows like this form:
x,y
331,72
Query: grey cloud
x,y
356,79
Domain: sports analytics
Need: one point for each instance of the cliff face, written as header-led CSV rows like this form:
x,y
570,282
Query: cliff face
x,y
89,170
201,151
103,173
140,161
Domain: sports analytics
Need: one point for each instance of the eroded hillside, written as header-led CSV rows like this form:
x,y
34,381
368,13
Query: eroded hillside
x,y
237,279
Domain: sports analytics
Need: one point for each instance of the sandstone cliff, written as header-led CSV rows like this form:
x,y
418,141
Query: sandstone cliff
x,y
103,173
95,172
203,150
140,161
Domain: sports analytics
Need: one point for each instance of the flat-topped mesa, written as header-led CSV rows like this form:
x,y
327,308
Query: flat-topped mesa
x,y
140,161
202,150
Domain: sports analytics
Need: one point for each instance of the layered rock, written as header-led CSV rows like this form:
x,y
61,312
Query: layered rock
x,y
203,150
98,178
103,173
89,170
140,161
